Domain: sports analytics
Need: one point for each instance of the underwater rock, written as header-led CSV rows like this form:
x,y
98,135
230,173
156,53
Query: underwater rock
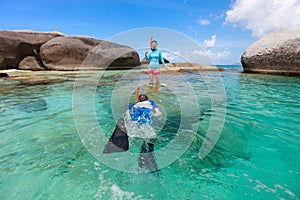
x,y
33,105
45,81
276,53
37,80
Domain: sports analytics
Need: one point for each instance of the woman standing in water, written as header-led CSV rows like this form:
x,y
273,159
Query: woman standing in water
x,y
154,56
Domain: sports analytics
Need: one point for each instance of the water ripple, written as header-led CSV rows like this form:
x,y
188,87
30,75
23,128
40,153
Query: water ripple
x,y
255,156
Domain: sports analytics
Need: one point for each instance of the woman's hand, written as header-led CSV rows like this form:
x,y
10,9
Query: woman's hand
x,y
146,53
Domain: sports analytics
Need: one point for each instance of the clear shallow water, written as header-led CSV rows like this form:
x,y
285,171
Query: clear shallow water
x,y
256,156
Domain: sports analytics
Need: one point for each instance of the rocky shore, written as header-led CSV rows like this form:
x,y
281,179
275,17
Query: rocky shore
x,y
276,53
183,67
41,51
46,77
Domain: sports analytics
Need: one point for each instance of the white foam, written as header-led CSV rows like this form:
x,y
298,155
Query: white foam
x,y
11,70
287,191
117,193
140,131
103,187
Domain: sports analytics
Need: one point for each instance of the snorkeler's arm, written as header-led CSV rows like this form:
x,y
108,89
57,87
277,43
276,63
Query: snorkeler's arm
x,y
155,108
127,113
156,112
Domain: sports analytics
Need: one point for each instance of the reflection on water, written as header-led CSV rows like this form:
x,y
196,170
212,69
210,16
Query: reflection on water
x,y
42,157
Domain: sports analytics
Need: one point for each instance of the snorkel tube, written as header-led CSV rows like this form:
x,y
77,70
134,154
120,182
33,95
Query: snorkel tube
x,y
150,42
137,93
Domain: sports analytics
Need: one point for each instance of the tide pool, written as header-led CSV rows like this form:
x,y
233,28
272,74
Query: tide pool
x,y
43,156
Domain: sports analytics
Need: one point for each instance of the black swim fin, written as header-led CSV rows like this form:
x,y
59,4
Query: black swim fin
x,y
147,159
118,142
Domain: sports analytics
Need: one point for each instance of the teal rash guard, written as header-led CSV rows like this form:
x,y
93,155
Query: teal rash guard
x,y
154,57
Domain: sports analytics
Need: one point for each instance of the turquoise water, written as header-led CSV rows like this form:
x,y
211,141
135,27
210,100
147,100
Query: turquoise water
x,y
256,156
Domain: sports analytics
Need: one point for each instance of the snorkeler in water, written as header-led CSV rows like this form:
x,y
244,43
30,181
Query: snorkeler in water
x,y
140,116
139,120
141,112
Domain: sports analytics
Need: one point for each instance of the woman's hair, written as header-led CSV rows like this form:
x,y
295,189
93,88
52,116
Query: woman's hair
x,y
154,41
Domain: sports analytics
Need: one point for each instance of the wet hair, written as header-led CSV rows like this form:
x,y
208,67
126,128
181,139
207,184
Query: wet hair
x,y
146,98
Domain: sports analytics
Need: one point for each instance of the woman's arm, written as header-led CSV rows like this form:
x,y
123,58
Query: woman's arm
x,y
147,55
162,59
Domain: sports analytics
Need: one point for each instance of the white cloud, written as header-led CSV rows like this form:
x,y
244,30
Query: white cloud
x,y
264,16
223,54
187,55
204,22
198,56
210,42
171,56
218,55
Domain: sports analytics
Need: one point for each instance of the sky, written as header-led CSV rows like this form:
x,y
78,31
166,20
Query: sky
x,y
222,29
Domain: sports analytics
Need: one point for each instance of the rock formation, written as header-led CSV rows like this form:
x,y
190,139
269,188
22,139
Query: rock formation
x,y
55,51
31,63
276,53
16,45
83,53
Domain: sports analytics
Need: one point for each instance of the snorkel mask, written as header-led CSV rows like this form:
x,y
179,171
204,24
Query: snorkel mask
x,y
143,97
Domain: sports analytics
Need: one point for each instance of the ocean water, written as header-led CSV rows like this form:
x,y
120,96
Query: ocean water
x,y
50,141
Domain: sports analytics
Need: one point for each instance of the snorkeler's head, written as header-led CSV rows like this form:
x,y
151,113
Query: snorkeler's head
x,y
143,97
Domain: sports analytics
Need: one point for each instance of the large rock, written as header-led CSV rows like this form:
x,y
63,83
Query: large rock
x,y
16,45
276,53
31,63
84,53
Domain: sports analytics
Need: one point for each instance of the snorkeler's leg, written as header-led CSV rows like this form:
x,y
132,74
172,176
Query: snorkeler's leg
x,y
151,156
143,157
143,148
150,142
151,147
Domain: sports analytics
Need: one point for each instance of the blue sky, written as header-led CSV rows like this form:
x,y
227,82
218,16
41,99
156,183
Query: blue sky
x,y
223,28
